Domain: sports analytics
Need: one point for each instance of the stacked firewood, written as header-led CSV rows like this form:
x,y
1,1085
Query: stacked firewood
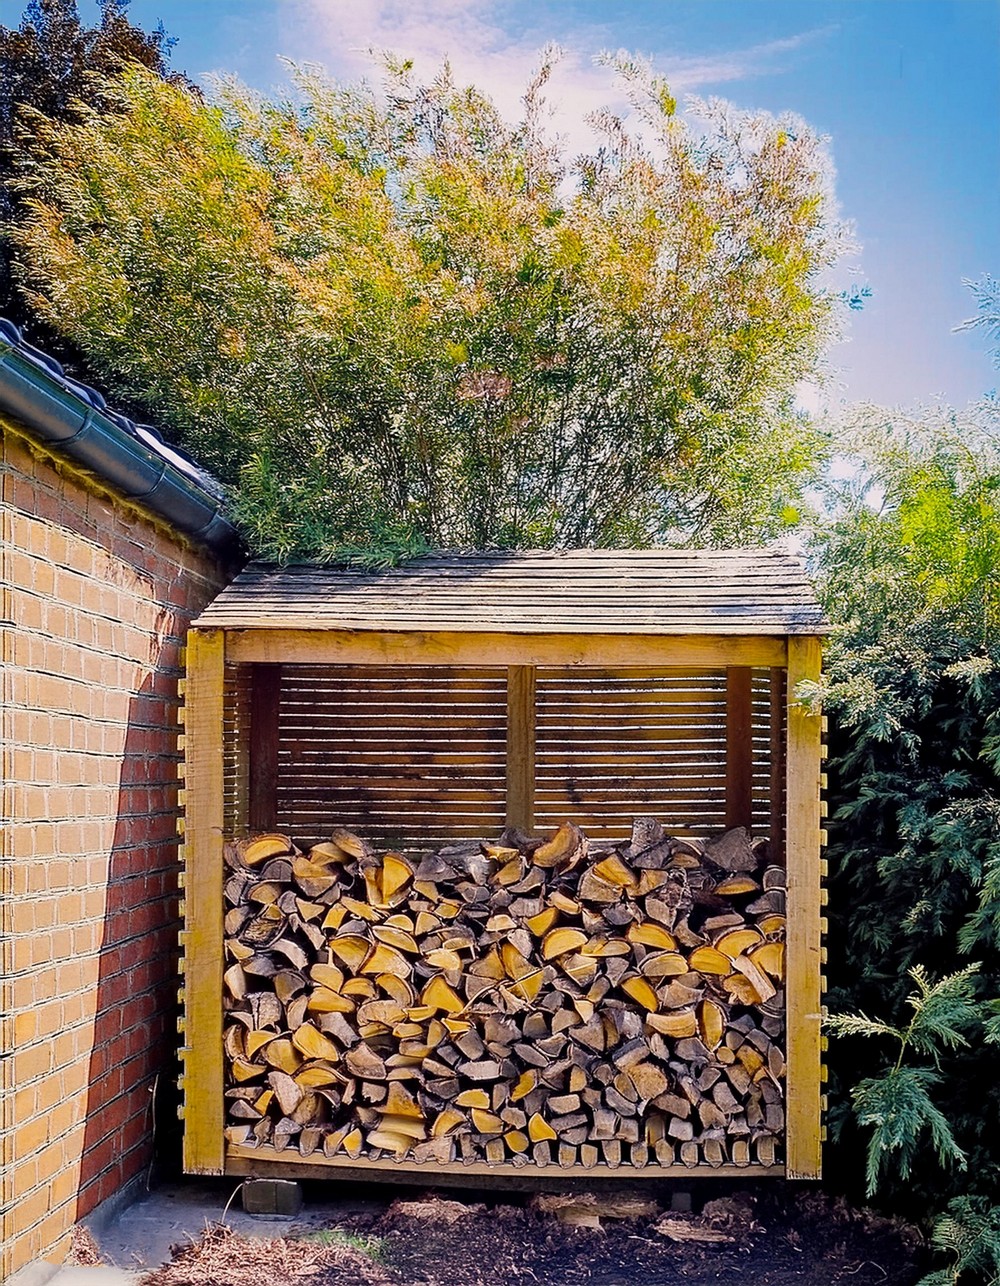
x,y
521,1001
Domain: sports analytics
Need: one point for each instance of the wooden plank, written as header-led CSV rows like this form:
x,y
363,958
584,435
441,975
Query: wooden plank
x,y
432,580
427,766
491,722
776,791
442,590
802,839
373,647
739,746
202,1052
361,678
265,695
315,760
345,678
363,790
267,1162
463,621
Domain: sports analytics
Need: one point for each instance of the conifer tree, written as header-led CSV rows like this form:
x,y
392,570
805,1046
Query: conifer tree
x,y
910,566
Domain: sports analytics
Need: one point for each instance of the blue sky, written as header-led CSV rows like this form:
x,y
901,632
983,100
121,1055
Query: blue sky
x,y
908,90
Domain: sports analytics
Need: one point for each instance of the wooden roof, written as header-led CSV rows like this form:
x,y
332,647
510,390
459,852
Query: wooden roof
x,y
743,591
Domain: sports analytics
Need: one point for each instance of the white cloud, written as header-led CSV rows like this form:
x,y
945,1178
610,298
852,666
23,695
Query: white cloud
x,y
687,74
488,46
809,398
345,36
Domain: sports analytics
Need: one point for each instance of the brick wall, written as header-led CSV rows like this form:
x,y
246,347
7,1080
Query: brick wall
x,y
96,601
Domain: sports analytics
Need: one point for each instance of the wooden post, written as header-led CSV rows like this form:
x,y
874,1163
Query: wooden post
x,y
739,747
802,982
776,793
202,941
265,692
521,747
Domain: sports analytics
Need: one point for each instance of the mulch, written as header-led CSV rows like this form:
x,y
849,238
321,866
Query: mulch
x,y
779,1236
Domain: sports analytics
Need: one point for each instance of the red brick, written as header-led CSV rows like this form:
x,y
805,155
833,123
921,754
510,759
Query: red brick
x,y
91,582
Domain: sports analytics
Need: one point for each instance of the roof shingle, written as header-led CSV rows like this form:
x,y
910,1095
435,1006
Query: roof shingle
x,y
661,591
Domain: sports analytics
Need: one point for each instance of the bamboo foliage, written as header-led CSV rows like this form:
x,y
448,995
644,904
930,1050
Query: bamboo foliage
x,y
398,320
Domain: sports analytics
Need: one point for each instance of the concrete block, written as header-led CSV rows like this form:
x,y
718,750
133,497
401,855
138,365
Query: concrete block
x,y
272,1198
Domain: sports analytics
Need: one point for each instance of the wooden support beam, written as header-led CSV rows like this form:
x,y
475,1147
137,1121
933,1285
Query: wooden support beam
x,y
268,1161
202,1052
265,692
739,746
803,982
521,747
373,647
776,793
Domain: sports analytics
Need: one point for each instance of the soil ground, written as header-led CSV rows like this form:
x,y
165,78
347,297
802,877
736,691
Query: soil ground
x,y
779,1235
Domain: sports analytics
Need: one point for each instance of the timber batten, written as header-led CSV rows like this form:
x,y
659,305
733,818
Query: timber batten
x,y
442,701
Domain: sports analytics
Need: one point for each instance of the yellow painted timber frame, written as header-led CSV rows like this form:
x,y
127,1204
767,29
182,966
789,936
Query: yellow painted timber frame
x,y
209,650
202,941
363,647
803,981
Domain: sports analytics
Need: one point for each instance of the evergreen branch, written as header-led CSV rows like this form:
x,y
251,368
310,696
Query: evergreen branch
x,y
940,1009
860,1025
898,1108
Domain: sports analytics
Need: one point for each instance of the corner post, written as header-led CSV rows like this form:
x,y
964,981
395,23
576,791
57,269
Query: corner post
x,y
803,978
202,936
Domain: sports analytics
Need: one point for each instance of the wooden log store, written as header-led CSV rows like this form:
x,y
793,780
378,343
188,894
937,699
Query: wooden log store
x,y
505,864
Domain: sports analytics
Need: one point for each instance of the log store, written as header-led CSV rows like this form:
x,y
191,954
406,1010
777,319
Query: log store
x,y
505,864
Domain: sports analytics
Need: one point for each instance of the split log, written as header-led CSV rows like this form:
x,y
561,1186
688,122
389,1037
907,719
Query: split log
x,y
515,1001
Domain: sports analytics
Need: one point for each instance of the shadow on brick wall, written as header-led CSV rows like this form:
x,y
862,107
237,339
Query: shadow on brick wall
x,y
132,1131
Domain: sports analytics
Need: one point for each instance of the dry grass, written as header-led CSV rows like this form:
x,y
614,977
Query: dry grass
x,y
225,1258
84,1249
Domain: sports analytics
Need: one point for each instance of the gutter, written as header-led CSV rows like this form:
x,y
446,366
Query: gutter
x,y
76,421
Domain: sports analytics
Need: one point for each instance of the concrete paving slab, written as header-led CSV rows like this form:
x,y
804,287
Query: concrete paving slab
x,y
141,1237
78,1275
135,1238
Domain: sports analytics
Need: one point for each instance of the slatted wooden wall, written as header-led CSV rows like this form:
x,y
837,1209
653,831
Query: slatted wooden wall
x,y
612,744
236,732
415,757
408,757
761,713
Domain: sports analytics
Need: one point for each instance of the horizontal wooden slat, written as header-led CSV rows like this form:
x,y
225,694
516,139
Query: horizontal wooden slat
x,y
416,755
612,746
